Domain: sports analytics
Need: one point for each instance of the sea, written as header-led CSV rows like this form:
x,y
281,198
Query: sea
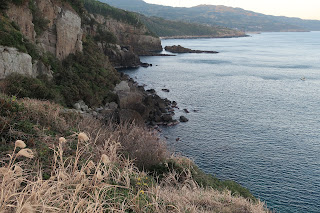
x,y
254,112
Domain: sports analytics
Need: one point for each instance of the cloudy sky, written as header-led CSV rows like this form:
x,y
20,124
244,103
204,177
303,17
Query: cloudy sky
x,y
306,9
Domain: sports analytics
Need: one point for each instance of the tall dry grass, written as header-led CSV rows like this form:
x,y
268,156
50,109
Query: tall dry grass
x,y
100,170
108,183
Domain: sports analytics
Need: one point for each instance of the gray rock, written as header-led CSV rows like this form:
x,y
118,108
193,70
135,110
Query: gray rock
x,y
77,106
183,119
85,108
165,90
127,99
99,109
13,61
113,105
122,86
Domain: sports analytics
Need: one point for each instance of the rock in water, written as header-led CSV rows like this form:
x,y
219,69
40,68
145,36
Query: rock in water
x,y
183,119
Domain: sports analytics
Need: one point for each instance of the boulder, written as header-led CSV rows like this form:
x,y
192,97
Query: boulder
x,y
131,116
128,100
77,106
13,61
183,119
186,110
123,86
112,105
167,118
165,90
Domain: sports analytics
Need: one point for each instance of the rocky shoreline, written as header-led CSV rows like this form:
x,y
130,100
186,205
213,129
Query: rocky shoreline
x,y
180,49
134,104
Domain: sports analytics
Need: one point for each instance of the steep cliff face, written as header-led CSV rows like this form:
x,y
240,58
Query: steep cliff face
x,y
137,37
22,16
69,34
63,33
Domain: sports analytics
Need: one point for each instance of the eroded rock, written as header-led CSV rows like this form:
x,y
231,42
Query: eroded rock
x,y
13,61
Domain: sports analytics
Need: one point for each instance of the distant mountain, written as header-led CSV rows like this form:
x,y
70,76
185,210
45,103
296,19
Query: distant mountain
x,y
179,29
230,17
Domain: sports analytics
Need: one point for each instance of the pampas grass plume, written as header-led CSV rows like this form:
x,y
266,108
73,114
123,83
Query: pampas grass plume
x,y
20,144
83,137
105,159
26,153
62,140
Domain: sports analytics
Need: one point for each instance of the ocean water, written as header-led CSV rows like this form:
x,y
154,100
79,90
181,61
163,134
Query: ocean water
x,y
255,120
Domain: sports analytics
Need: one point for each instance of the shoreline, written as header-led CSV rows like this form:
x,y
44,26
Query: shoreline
x,y
204,36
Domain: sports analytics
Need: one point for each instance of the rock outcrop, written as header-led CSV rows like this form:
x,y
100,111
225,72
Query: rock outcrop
x,y
22,16
180,49
121,56
13,61
63,34
69,34
128,35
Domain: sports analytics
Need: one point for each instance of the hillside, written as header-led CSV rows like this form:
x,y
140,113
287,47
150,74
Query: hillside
x,y
235,18
178,29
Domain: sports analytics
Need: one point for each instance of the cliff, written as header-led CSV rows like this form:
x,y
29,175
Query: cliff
x,y
60,28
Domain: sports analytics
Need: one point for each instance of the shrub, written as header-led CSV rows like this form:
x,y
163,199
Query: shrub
x,y
25,86
40,23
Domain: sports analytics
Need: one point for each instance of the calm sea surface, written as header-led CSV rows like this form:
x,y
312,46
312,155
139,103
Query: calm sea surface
x,y
257,122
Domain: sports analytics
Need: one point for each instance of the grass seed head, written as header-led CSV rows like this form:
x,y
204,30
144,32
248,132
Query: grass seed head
x,y
20,144
62,140
26,153
105,159
83,137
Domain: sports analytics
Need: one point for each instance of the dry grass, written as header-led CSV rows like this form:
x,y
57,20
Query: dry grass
x,y
109,184
144,147
94,173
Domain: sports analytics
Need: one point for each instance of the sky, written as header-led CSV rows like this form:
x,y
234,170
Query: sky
x,y
306,9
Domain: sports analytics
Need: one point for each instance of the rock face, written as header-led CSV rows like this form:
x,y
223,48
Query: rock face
x,y
121,56
180,49
63,35
13,61
69,34
129,35
22,16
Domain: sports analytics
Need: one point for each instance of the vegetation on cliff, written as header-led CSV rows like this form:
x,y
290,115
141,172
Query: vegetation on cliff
x,y
88,166
84,76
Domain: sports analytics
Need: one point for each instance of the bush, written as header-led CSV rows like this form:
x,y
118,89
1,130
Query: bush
x,y
40,23
25,86
87,76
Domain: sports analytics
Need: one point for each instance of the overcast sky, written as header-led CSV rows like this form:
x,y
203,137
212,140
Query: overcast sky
x,y
306,9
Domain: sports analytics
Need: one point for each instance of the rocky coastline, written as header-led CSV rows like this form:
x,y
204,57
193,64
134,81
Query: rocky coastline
x,y
134,104
180,49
